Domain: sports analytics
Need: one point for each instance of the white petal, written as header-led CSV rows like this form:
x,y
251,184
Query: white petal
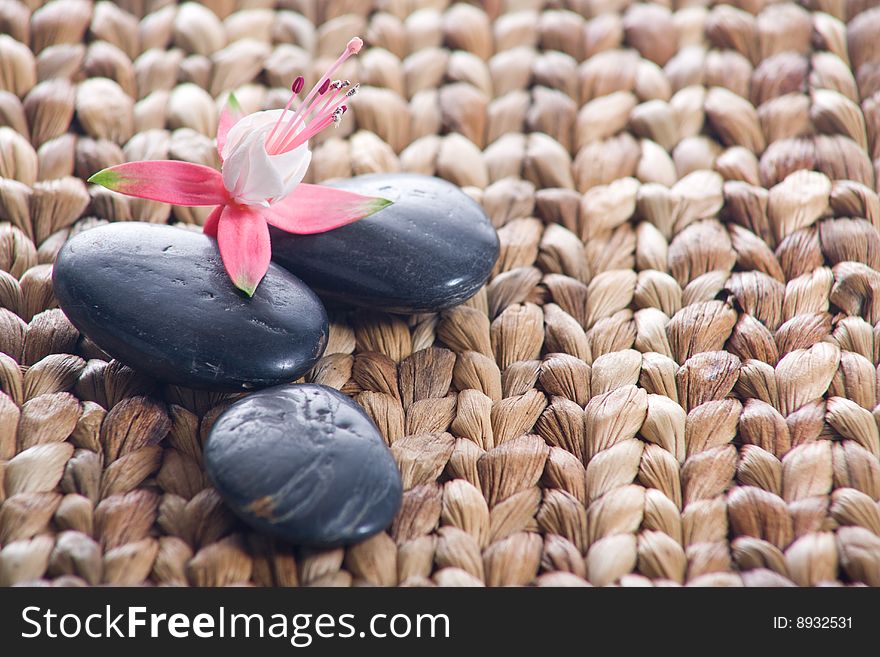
x,y
234,165
248,124
251,175
293,168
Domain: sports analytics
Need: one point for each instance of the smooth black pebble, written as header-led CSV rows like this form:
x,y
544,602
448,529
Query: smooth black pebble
x,y
433,248
305,463
158,299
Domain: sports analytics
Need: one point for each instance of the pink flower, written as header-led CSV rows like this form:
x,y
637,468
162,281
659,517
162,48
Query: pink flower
x,y
264,157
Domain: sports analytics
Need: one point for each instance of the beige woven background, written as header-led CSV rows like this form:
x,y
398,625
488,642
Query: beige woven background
x,y
671,377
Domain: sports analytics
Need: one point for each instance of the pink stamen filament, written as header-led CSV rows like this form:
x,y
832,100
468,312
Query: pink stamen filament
x,y
290,128
290,132
333,115
317,126
279,144
303,116
296,87
311,130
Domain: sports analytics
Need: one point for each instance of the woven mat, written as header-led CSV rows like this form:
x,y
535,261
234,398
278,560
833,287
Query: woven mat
x,y
671,377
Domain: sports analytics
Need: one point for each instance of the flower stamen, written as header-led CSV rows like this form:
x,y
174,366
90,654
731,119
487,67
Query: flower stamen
x,y
296,87
333,98
277,143
328,117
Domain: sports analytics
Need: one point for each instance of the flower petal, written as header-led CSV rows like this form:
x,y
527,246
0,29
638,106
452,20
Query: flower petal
x,y
210,227
243,238
251,174
262,121
292,166
228,117
248,172
169,181
315,209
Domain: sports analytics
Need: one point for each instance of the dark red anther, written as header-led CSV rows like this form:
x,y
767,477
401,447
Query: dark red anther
x,y
298,84
324,86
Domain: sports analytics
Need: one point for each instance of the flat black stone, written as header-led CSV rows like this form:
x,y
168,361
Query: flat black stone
x,y
305,463
158,299
431,249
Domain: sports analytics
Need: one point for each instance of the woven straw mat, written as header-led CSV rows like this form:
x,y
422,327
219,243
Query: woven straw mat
x,y
671,377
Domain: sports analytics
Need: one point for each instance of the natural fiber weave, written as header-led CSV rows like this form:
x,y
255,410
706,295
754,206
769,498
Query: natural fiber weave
x,y
671,377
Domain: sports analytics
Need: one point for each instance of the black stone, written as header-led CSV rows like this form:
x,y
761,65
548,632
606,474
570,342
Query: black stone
x,y
158,299
431,249
305,463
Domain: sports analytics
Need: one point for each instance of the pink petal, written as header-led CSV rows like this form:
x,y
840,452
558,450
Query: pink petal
x,y
243,237
228,117
315,209
210,227
169,181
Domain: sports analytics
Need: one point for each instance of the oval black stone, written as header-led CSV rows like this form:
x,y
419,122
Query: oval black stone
x,y
158,299
431,249
305,463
